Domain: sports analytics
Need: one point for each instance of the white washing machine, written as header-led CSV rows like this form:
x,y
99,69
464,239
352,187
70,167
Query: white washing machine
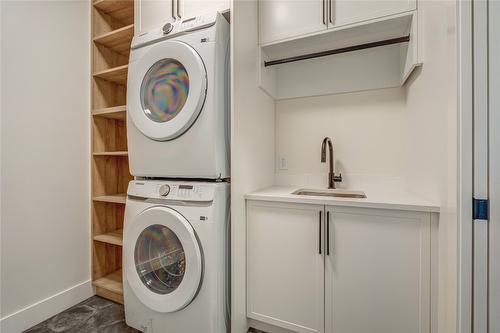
x,y
175,268
178,100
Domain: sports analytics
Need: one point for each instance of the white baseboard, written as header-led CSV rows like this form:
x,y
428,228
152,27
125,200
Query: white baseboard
x,y
36,313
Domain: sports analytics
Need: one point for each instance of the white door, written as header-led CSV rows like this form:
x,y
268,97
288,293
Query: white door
x,y
494,166
150,14
163,259
192,8
285,265
166,89
282,19
344,12
377,271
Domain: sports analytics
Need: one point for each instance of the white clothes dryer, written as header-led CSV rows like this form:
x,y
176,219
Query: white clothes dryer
x,y
178,100
175,263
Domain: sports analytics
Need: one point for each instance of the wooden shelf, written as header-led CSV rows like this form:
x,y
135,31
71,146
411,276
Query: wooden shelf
x,y
122,10
112,30
116,74
110,286
111,282
113,237
116,112
117,40
110,6
111,153
116,198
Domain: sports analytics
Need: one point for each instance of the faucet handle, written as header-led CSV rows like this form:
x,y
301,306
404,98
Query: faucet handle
x,y
338,178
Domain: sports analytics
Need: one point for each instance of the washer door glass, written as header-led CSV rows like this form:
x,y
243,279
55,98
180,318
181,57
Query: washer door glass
x,y
164,90
159,259
163,261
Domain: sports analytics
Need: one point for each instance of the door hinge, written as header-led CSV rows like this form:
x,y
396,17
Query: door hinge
x,y
480,209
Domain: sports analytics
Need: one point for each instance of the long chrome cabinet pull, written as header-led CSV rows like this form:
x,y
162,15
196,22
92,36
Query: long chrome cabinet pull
x,y
328,233
178,10
320,215
173,10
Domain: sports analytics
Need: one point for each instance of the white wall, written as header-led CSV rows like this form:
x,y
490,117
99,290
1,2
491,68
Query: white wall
x,y
433,141
45,247
252,144
367,129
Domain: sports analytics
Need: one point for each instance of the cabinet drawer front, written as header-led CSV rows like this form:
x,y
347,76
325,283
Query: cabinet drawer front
x,y
285,271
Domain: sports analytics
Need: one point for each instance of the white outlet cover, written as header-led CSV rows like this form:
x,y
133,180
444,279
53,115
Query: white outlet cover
x,y
283,163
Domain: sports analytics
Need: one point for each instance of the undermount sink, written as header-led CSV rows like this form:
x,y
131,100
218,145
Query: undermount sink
x,y
331,193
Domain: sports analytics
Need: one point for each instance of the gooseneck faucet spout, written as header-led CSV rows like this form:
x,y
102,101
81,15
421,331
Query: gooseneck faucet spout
x,y
331,168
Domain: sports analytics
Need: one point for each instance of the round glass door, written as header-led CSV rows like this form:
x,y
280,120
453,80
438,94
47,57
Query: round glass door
x,y
163,261
166,90
159,259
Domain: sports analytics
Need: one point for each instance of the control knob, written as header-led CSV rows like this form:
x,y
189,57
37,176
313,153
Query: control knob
x,y
164,190
167,28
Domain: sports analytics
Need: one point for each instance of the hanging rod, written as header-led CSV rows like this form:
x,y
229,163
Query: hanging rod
x,y
370,45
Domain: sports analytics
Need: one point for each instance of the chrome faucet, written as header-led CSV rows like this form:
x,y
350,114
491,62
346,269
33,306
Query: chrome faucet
x,y
331,171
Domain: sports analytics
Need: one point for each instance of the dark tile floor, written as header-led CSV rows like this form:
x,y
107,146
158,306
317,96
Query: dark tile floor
x,y
94,315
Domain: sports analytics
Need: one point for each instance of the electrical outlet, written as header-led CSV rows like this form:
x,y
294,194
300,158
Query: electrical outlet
x,y
283,163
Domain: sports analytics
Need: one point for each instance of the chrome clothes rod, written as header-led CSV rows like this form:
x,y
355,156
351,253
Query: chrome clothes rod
x,y
391,41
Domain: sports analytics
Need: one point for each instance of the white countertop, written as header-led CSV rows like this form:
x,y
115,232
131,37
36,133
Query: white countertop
x,y
394,200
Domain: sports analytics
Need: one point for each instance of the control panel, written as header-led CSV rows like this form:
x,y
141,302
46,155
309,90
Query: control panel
x,y
170,30
172,190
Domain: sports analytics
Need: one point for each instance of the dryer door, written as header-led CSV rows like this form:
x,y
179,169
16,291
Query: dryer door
x,y
163,258
166,90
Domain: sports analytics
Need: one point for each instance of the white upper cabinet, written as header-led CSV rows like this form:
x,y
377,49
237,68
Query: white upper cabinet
x,y
150,14
285,281
191,8
283,19
377,271
343,12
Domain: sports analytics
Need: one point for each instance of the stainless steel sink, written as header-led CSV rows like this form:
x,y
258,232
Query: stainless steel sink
x,y
337,193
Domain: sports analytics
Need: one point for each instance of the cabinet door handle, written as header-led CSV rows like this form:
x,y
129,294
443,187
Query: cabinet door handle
x,y
173,10
330,12
328,233
320,215
324,20
178,10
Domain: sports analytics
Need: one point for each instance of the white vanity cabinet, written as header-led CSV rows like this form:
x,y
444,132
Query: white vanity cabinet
x,y
282,19
336,269
285,282
377,271
150,14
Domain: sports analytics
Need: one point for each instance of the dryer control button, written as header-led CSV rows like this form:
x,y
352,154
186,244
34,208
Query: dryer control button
x,y
167,28
164,190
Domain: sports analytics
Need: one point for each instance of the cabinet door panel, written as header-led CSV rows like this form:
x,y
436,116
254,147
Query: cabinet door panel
x,y
150,14
191,8
285,272
282,19
344,12
377,276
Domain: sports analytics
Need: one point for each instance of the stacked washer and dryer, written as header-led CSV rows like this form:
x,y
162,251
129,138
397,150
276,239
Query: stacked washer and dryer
x,y
175,260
